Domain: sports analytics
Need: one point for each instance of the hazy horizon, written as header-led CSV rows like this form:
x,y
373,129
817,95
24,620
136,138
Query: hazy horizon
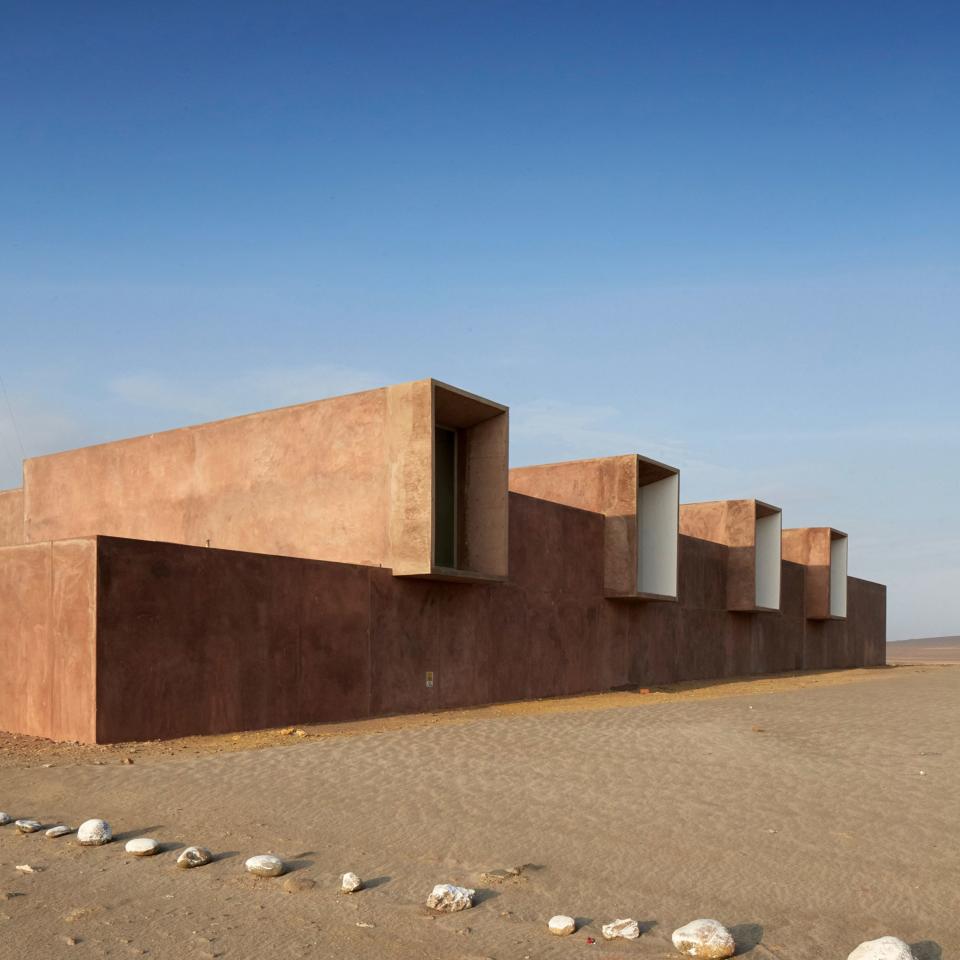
x,y
954,639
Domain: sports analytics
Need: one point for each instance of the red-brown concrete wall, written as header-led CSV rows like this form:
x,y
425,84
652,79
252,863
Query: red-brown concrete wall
x,y
47,639
196,640
11,518
211,640
698,639
867,621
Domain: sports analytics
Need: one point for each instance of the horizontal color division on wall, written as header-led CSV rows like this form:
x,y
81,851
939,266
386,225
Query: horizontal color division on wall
x,y
316,563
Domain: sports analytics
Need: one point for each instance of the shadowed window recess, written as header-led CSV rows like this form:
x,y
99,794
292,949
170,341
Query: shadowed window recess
x,y
445,494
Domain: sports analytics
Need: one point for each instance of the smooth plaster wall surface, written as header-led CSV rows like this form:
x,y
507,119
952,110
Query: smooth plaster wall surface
x,y
241,641
301,481
866,622
47,639
409,494
348,479
11,518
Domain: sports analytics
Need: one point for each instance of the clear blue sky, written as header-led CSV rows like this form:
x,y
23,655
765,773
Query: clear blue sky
x,y
722,234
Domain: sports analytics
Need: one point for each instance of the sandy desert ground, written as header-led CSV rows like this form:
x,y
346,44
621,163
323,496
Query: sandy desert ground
x,y
807,812
925,650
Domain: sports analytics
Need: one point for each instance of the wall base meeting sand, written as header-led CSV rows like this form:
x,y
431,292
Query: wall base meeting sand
x,y
233,576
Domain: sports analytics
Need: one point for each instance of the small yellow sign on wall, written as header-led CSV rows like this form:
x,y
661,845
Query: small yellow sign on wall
x,y
429,678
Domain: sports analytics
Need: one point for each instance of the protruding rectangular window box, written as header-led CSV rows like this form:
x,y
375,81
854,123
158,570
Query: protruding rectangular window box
x,y
750,529
823,553
639,499
449,484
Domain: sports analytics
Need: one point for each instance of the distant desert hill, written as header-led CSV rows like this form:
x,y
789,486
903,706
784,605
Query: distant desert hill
x,y
925,650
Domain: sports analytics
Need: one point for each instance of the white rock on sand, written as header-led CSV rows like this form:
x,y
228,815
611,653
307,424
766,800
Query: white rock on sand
x,y
350,883
94,833
886,948
265,865
27,826
621,929
194,857
5,818
60,830
706,939
448,898
142,847
561,926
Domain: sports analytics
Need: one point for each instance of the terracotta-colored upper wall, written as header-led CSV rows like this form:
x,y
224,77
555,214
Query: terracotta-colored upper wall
x,y
47,639
809,546
348,479
310,480
606,485
730,522
408,452
11,518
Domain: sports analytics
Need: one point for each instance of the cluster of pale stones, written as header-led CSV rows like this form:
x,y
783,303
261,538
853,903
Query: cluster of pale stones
x,y
704,939
711,940
96,833
708,939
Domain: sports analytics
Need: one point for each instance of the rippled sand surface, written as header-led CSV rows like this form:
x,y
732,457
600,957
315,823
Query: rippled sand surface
x,y
808,813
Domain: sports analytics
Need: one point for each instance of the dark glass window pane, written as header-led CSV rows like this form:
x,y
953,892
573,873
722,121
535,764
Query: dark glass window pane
x,y
445,498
